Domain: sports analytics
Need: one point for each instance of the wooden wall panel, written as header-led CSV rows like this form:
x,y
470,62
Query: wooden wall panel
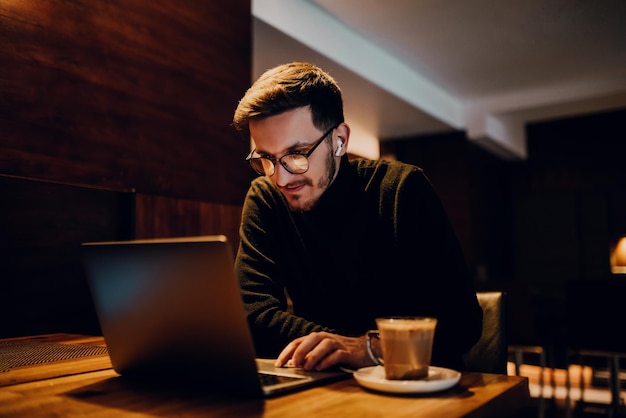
x,y
160,217
126,94
123,97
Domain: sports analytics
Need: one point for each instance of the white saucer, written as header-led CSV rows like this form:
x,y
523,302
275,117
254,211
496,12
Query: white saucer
x,y
438,379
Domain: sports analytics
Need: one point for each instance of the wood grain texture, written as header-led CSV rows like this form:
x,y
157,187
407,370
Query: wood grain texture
x,y
105,393
162,217
115,95
127,94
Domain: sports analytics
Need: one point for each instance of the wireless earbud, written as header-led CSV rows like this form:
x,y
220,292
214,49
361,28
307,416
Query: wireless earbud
x,y
339,147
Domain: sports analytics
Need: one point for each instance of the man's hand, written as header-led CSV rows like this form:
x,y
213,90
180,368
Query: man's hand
x,y
321,350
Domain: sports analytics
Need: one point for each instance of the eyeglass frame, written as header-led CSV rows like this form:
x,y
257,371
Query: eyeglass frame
x,y
273,159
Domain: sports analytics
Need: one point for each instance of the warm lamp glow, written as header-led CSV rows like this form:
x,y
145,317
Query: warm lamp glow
x,y
618,257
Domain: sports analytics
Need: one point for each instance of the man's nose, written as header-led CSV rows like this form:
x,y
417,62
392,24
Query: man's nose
x,y
281,175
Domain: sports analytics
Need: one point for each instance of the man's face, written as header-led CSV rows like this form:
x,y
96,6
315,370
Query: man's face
x,y
291,131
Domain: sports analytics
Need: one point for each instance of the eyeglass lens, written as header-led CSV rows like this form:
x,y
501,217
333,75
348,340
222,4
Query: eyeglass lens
x,y
294,163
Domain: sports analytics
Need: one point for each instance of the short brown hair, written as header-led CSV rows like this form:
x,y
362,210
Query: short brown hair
x,y
290,86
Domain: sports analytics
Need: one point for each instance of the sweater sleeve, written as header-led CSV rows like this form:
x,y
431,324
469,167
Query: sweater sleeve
x,y
259,265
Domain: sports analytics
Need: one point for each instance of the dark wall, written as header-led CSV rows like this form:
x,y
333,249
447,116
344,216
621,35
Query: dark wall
x,y
570,198
126,94
41,227
574,187
114,123
569,205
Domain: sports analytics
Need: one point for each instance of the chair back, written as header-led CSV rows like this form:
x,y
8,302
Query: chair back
x,y
489,354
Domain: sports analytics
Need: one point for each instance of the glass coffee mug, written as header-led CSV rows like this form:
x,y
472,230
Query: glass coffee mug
x,y
406,343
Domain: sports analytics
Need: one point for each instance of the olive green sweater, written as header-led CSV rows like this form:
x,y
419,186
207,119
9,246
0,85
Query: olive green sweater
x,y
378,243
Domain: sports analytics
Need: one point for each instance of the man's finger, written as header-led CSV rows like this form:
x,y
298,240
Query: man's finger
x,y
287,353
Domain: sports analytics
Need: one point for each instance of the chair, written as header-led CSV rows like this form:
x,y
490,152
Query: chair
x,y
489,354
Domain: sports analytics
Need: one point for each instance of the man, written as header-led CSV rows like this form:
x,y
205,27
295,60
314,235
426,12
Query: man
x,y
347,241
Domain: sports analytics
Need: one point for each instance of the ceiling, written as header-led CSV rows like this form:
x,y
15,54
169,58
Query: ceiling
x,y
409,68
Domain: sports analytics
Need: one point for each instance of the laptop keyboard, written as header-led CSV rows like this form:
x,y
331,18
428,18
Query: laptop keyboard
x,y
268,379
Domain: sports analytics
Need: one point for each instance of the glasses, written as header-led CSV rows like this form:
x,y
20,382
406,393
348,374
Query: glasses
x,y
295,162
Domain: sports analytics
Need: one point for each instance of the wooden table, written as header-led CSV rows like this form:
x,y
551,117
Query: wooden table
x,y
88,386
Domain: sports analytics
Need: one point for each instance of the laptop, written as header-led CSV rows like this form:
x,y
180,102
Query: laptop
x,y
171,310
